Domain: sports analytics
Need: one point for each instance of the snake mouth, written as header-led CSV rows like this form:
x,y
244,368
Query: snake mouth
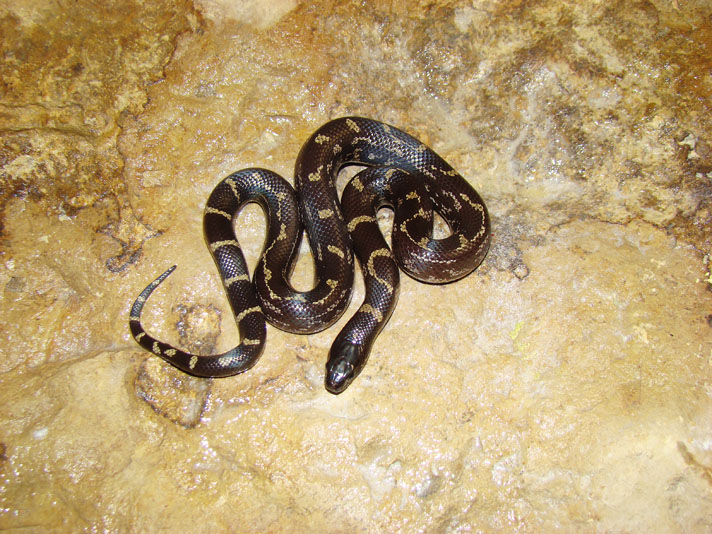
x,y
339,376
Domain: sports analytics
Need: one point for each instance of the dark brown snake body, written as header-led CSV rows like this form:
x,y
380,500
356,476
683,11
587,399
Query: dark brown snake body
x,y
401,173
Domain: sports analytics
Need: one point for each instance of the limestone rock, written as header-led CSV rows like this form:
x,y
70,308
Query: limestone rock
x,y
565,386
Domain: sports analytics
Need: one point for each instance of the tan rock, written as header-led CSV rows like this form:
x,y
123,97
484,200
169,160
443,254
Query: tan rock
x,y
564,386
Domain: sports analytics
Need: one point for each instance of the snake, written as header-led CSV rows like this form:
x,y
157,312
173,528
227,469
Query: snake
x,y
398,172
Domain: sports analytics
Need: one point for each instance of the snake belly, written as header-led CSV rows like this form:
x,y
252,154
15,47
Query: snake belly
x,y
401,173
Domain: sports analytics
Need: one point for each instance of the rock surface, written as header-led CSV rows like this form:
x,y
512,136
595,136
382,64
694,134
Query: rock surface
x,y
565,386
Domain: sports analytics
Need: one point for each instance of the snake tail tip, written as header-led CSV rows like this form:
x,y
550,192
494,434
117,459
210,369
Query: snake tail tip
x,y
168,272
153,285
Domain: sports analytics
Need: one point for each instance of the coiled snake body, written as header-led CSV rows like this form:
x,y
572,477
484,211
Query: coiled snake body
x,y
401,173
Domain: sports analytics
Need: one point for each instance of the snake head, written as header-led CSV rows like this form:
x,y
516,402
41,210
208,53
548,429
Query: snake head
x,y
344,364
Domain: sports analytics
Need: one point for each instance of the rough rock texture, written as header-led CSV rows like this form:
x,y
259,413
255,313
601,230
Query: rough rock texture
x,y
565,386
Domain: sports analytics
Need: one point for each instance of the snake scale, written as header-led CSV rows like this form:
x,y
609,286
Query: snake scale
x,y
400,173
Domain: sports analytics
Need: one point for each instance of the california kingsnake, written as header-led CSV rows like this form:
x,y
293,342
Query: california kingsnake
x,y
401,173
